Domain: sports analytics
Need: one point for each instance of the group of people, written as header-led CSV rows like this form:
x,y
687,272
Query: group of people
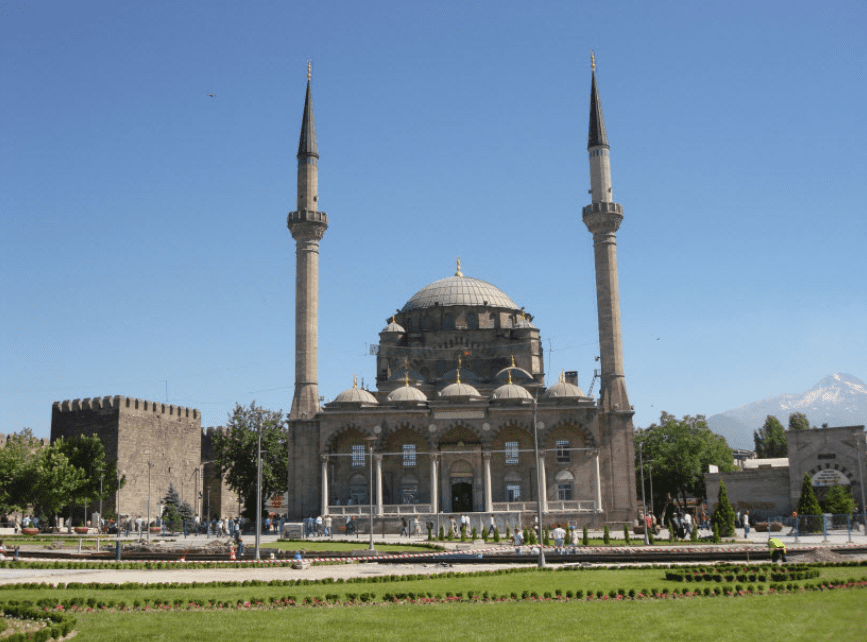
x,y
319,526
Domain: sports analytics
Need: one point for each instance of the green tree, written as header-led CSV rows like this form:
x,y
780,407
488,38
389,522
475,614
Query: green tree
x,y
723,518
99,477
770,439
808,504
236,453
17,462
55,481
680,451
798,421
838,501
175,512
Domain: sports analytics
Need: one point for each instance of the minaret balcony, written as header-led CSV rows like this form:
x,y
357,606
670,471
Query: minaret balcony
x,y
603,207
307,216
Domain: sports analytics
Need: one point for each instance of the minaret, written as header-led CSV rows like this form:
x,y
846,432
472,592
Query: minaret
x,y
307,226
602,217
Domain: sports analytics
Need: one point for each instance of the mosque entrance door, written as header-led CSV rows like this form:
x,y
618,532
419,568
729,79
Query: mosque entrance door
x,y
462,496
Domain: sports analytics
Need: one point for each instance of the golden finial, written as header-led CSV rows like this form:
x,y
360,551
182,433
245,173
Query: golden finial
x,y
510,377
458,378
459,273
459,362
562,376
513,361
392,318
309,67
406,379
354,381
592,60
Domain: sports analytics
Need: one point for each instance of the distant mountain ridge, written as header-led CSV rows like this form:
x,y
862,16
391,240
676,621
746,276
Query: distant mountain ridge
x,y
837,400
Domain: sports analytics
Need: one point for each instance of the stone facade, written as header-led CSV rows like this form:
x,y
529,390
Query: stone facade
x,y
143,437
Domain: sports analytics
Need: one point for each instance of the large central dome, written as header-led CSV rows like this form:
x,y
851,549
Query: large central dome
x,y
460,290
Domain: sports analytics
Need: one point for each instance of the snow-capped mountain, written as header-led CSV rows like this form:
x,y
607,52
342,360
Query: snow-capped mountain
x,y
837,400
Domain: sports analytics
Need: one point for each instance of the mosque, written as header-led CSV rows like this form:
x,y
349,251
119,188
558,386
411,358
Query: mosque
x,y
461,420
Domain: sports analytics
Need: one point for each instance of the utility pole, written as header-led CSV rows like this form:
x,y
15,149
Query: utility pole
x,y
643,500
539,486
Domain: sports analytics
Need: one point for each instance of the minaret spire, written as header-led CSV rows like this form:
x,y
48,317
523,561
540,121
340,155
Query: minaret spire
x,y
307,226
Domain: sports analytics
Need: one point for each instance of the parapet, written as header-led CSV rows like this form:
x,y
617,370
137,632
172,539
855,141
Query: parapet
x,y
118,402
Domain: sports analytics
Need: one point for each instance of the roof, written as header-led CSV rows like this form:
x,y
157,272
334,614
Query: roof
x,y
406,394
460,290
511,392
596,137
307,141
563,389
775,462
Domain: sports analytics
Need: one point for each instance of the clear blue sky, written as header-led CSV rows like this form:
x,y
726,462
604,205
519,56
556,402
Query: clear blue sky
x,y
144,243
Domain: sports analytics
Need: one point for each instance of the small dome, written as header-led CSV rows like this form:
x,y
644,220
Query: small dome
x,y
356,396
394,326
467,376
563,390
406,394
459,389
406,373
519,375
510,392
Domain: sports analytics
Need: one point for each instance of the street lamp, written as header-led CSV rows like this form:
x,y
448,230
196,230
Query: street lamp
x,y
643,500
370,441
148,525
539,489
258,490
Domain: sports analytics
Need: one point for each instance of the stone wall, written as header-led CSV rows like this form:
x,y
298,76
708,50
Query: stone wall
x,y
762,491
143,437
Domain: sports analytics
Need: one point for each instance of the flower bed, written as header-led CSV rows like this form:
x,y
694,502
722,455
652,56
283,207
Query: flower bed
x,y
81,530
30,531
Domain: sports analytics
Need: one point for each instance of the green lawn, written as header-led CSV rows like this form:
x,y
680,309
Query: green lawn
x,y
835,615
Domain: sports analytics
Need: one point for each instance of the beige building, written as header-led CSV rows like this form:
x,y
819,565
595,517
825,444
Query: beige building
x,y
772,487
460,387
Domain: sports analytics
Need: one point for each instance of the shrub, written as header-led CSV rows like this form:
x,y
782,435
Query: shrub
x,y
476,534
546,538
484,534
585,541
606,535
723,515
451,535
716,537
626,533
694,534
496,534
463,532
671,531
442,533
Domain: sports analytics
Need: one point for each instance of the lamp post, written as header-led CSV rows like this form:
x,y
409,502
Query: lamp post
x,y
539,488
370,442
258,490
148,525
643,500
650,470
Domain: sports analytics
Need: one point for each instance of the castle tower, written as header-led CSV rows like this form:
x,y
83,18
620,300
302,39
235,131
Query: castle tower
x,y
602,217
307,226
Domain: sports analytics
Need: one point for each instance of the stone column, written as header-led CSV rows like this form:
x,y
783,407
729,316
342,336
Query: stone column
x,y
324,485
378,458
543,484
434,483
598,485
489,503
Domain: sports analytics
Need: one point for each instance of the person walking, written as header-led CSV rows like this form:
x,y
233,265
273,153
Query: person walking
x,y
745,519
404,527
